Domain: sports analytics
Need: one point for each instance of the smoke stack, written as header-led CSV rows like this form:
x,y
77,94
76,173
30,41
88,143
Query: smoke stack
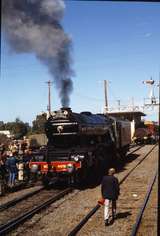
x,y
33,26
66,109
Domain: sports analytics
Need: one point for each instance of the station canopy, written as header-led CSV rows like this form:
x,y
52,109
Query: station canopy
x,y
129,115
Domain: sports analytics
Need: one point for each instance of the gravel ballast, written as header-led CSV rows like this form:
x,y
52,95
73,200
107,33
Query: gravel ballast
x,y
61,217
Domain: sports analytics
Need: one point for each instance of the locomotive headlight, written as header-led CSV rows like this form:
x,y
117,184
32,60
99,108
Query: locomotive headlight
x,y
45,166
34,168
65,113
70,168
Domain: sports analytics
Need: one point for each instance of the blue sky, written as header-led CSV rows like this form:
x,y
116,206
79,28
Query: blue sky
x,y
119,42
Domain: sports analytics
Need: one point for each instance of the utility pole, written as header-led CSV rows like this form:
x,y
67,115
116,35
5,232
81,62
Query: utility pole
x,y
105,93
49,97
133,104
119,104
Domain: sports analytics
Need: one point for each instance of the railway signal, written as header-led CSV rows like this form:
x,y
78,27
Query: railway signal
x,y
151,101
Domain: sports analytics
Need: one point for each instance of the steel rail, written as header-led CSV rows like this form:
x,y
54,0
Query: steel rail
x,y
139,217
86,218
5,228
19,199
125,177
16,200
136,149
18,187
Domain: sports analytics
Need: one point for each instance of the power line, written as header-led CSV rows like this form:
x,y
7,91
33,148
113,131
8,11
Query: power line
x,y
112,93
88,97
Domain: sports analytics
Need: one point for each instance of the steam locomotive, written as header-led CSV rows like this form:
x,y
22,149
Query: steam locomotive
x,y
80,141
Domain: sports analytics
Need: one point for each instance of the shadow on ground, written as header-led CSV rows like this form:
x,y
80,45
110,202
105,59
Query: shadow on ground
x,y
94,176
123,214
120,215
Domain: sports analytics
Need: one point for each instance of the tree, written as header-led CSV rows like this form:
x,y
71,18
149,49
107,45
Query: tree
x,y
18,128
38,124
2,125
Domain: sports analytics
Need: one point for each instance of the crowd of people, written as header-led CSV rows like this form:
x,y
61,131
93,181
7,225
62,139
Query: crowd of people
x,y
14,162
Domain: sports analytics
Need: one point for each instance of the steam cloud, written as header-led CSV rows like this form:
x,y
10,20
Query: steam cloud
x,y
33,26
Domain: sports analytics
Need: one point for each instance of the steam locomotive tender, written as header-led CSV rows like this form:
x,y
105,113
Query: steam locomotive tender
x,y
79,141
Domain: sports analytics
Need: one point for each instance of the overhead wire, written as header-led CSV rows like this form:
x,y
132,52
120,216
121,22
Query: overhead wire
x,y
88,97
112,92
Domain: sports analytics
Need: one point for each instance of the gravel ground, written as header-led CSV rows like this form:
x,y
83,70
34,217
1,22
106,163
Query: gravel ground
x,y
27,205
132,194
61,217
148,226
10,196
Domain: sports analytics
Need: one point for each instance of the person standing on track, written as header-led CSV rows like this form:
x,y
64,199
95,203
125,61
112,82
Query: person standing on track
x,y
110,191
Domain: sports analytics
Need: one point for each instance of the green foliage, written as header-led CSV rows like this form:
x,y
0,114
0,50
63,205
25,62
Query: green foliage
x,y
2,125
38,124
18,128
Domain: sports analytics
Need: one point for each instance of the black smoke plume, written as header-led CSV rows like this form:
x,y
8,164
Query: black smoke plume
x,y
33,26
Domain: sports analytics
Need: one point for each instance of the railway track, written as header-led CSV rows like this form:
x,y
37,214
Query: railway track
x,y
14,216
143,207
19,199
13,223
135,149
17,188
77,228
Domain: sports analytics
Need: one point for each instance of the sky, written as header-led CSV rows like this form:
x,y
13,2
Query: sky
x,y
113,41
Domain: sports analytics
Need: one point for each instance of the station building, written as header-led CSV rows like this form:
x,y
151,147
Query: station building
x,y
135,117
7,133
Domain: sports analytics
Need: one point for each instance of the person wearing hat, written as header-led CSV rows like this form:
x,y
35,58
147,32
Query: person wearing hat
x,y
110,191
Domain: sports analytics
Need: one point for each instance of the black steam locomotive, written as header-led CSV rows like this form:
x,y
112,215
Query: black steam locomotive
x,y
80,141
